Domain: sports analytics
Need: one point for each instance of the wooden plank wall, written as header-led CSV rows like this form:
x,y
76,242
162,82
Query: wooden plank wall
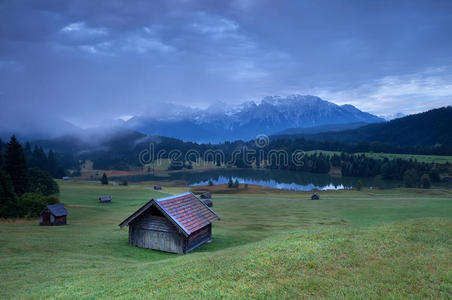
x,y
157,240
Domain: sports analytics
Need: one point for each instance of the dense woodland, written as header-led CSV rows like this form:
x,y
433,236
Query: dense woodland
x,y
26,186
424,133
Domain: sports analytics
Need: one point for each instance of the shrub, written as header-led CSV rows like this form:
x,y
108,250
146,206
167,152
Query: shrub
x,y
410,178
32,204
425,181
359,185
41,181
434,175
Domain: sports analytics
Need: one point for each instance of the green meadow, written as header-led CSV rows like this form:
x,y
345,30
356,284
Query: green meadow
x,y
365,244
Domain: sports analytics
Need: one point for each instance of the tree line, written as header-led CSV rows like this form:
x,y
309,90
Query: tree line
x,y
25,188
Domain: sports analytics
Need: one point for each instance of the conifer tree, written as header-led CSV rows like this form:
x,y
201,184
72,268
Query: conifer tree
x,y
104,179
52,166
8,199
230,183
16,166
39,158
28,154
236,184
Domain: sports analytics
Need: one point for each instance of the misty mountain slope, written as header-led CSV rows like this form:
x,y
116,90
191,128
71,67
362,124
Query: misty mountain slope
x,y
427,128
272,115
34,127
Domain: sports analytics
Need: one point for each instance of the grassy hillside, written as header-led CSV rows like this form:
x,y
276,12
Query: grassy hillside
x,y
427,128
348,244
439,159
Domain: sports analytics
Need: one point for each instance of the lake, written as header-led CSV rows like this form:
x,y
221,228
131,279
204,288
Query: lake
x,y
279,179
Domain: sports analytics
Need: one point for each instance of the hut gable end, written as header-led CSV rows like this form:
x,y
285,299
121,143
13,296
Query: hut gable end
x,y
175,224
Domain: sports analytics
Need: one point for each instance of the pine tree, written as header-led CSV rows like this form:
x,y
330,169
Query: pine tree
x,y
8,199
39,158
104,179
52,165
236,184
230,183
16,166
28,154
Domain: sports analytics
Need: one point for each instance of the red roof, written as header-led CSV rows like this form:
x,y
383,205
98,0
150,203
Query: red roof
x,y
186,211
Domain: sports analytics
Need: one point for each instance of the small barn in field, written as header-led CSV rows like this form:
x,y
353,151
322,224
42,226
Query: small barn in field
x,y
53,215
206,195
208,202
105,199
177,224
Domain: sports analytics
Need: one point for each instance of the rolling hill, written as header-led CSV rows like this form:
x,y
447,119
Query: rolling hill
x,y
427,129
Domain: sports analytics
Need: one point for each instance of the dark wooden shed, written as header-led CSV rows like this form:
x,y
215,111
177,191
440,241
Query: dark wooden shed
x,y
157,187
206,195
208,202
105,199
177,224
315,196
53,215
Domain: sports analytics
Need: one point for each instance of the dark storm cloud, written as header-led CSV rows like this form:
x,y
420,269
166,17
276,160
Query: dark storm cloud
x,y
85,61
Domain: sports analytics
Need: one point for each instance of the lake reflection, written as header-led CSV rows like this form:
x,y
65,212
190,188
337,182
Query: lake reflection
x,y
273,184
279,179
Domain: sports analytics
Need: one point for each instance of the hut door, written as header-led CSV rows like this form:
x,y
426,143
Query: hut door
x,y
52,219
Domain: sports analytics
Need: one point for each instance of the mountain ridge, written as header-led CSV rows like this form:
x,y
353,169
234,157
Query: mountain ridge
x,y
273,114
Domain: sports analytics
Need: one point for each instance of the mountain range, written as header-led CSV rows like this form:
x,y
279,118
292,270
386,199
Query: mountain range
x,y
222,122
218,123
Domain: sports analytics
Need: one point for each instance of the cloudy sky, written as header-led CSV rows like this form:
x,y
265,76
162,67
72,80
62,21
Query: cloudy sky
x,y
90,60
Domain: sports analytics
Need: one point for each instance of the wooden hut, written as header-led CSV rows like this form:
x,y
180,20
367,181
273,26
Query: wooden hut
x,y
157,187
206,195
315,196
176,224
105,199
207,202
53,215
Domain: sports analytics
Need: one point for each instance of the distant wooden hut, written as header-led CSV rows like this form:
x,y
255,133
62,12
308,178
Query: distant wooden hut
x,y
206,195
315,196
105,199
207,202
53,215
157,187
177,224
